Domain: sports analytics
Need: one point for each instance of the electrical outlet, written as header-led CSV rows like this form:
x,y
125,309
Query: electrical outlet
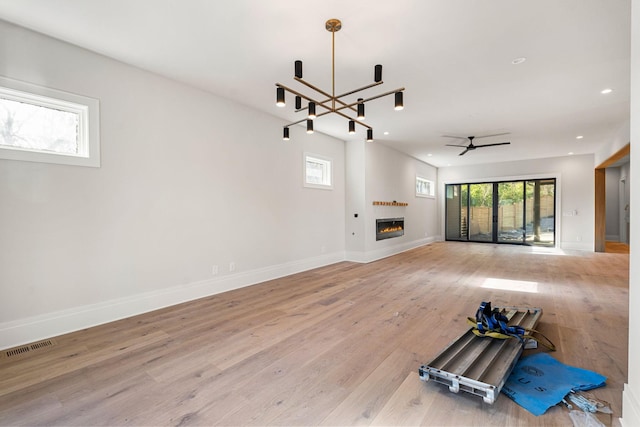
x,y
232,266
214,270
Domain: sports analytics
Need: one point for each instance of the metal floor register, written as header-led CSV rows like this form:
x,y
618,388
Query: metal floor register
x,y
480,365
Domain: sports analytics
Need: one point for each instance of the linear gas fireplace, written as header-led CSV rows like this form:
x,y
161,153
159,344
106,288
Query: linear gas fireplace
x,y
387,228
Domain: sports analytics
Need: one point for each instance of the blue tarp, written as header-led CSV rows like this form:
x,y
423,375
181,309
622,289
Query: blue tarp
x,y
539,382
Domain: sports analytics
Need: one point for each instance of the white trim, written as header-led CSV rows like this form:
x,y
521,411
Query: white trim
x,y
35,328
377,254
89,127
320,158
630,408
31,329
432,187
576,246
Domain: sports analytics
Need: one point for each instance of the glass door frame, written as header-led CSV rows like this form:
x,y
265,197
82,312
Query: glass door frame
x,y
465,206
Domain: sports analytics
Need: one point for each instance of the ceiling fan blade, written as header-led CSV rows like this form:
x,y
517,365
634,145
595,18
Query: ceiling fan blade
x,y
495,134
453,145
464,138
491,145
463,152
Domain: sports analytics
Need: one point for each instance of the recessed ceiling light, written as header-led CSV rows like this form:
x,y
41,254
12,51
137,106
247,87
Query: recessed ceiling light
x,y
579,137
386,133
570,153
517,61
429,154
606,91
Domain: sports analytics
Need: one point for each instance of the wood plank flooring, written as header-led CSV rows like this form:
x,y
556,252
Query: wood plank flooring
x,y
338,345
616,247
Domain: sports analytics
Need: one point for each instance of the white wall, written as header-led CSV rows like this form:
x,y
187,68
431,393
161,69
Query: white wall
x,y
185,184
631,394
356,212
574,191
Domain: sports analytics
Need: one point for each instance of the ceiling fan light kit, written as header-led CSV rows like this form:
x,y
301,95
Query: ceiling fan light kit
x,y
332,103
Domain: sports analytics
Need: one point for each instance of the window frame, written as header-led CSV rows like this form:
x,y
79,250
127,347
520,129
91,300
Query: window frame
x,y
327,175
88,123
432,193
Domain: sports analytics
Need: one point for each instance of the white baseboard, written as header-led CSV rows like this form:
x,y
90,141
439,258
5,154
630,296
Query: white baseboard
x,y
23,331
577,246
370,256
630,408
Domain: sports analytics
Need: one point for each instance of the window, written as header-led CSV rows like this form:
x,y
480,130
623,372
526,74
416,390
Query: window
x,y
317,172
516,212
39,124
424,187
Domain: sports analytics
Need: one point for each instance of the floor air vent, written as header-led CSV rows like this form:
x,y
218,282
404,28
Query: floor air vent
x,y
17,351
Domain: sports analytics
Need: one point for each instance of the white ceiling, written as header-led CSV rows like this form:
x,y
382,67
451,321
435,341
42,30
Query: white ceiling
x,y
454,57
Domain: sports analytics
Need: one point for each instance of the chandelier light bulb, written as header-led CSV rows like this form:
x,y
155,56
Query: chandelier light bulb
x,y
399,102
280,97
360,109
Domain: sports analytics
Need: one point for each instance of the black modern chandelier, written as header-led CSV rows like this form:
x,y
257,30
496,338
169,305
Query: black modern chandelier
x,y
332,103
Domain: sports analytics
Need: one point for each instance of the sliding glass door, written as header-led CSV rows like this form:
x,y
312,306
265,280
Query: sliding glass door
x,y
511,212
540,214
457,212
516,212
481,212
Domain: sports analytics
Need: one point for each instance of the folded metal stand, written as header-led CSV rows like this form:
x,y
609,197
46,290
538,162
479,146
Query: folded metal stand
x,y
480,365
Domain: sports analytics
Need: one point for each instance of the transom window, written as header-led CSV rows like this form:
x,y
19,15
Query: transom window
x,y
318,171
45,125
424,187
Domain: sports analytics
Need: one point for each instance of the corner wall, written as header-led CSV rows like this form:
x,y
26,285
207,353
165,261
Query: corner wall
x,y
380,173
631,394
185,185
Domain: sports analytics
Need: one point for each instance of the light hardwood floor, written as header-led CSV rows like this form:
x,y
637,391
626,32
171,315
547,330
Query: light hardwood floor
x,y
338,345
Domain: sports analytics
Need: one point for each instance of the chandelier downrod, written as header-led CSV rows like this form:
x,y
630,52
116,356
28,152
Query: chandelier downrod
x,y
330,104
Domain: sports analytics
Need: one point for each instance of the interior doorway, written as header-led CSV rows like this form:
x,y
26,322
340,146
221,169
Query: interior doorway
x,y
621,157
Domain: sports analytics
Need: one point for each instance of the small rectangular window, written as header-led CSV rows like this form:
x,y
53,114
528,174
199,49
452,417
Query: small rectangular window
x,y
424,187
45,125
317,172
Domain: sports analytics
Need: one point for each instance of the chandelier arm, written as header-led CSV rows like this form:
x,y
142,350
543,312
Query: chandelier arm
x,y
355,120
319,103
295,92
317,89
350,106
358,90
331,98
370,99
391,92
329,112
306,118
